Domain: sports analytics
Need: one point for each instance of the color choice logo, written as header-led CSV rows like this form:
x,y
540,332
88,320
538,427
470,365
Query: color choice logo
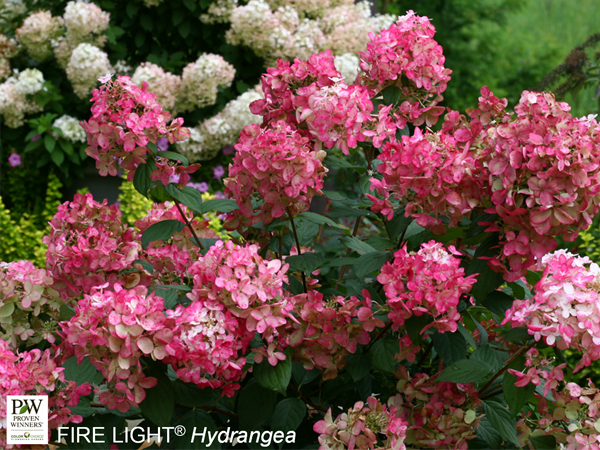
x,y
27,419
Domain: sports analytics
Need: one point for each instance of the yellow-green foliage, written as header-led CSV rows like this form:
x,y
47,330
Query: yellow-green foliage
x,y
133,205
590,242
22,238
214,223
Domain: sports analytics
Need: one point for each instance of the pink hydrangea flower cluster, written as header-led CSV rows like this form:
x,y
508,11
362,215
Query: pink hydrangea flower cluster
x,y
88,246
172,258
434,173
115,328
440,415
407,56
125,118
539,369
428,282
25,293
565,310
543,175
277,165
365,426
325,331
236,293
36,373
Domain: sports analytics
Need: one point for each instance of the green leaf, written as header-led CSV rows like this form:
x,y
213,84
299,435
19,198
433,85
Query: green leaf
x,y
306,262
543,442
184,29
188,394
370,262
288,415
174,156
306,231
357,366
194,420
179,287
451,347
516,397
178,17
189,196
24,409
276,378
140,38
303,376
146,21
141,179
398,224
67,147
382,354
319,219
169,296
132,9
488,280
82,373
161,231
338,262
159,404
466,371
255,405
487,355
334,195
392,95
519,334
58,157
414,326
49,143
499,418
498,302
334,162
223,205
533,277
489,434
66,312
356,244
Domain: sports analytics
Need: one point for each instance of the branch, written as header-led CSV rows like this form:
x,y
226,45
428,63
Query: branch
x,y
380,335
189,225
505,368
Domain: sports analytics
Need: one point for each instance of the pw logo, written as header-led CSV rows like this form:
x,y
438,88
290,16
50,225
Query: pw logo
x,y
26,406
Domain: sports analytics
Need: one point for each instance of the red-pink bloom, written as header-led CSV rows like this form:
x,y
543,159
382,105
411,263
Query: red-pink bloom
x,y
429,282
276,165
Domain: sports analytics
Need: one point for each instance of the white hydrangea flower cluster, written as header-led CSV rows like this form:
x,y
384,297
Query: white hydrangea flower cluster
x,y
30,81
70,129
8,49
150,3
11,9
223,129
164,84
86,64
201,80
37,32
348,65
85,23
192,145
16,97
219,11
288,29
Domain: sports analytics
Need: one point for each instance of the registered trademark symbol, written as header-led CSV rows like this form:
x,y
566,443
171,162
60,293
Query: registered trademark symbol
x,y
179,430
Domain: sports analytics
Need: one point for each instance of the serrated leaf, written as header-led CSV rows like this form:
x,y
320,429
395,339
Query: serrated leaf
x,y
161,231
370,262
169,296
159,404
543,442
338,262
519,334
533,277
382,354
451,347
306,231
319,219
334,195
414,326
189,196
288,415
334,162
486,354
223,205
66,312
303,376
467,371
489,434
306,262
356,244
174,156
276,378
392,95
255,405
499,418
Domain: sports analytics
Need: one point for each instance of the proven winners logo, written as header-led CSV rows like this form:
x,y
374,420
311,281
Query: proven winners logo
x,y
27,419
